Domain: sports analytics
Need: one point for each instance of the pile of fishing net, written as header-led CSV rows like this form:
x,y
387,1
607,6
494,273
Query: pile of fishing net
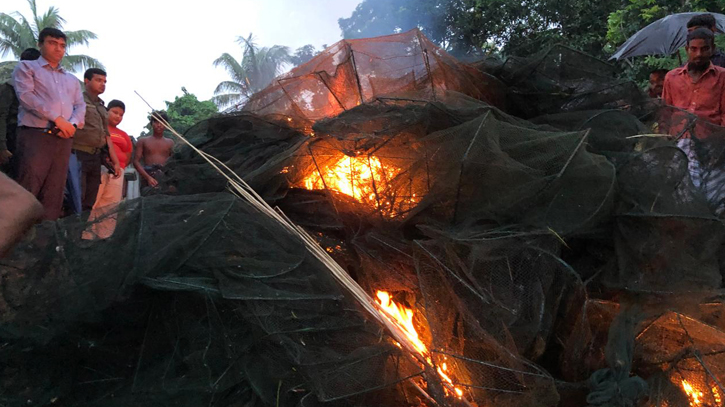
x,y
550,249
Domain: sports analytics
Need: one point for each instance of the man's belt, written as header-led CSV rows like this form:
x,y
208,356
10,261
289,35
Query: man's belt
x,y
86,149
34,128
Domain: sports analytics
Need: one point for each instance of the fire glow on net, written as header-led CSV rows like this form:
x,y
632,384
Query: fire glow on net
x,y
366,180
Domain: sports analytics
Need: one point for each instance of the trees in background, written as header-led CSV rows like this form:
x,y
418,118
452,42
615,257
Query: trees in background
x,y
18,32
473,28
256,69
304,54
185,111
476,27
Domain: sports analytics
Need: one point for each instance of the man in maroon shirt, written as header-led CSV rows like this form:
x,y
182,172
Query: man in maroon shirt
x,y
699,89
699,86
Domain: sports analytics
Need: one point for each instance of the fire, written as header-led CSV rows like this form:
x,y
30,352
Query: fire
x,y
696,396
365,179
403,317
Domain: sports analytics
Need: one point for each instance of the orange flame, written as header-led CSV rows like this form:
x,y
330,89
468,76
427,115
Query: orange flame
x,y
403,317
364,179
696,396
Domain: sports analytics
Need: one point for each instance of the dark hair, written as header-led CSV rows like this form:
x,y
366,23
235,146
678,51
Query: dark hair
x,y
702,20
159,113
50,32
116,103
701,34
662,72
93,71
30,54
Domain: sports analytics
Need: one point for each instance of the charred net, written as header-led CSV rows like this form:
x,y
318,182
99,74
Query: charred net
x,y
569,259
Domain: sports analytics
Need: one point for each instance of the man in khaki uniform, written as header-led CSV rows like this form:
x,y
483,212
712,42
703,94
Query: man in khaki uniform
x,y
84,175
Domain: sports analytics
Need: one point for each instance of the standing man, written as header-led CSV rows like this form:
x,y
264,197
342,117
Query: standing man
x,y
84,175
103,216
154,151
707,21
698,88
51,109
9,117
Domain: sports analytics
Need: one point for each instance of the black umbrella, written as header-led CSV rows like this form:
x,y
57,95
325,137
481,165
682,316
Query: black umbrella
x,y
663,37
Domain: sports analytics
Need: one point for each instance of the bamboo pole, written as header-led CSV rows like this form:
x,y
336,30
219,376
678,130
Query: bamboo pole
x,y
240,188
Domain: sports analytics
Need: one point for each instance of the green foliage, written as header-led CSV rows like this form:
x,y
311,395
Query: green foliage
x,y
257,68
303,54
474,27
6,70
637,14
18,33
185,111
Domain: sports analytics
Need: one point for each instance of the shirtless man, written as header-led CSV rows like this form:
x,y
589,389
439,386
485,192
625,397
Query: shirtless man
x,y
154,150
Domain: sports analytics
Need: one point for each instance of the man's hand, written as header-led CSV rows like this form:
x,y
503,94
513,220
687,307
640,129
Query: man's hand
x,y
5,156
67,130
119,172
152,181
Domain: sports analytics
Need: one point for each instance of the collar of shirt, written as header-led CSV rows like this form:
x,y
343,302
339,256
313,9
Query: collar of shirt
x,y
42,62
684,70
94,99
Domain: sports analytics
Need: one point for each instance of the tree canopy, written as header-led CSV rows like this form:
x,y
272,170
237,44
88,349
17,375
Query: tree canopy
x,y
187,110
472,27
18,32
303,54
512,26
257,68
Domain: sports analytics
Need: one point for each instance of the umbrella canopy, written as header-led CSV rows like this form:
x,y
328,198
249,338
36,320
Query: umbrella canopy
x,y
663,37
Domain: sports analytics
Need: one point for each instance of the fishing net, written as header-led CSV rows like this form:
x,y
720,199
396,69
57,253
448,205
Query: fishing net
x,y
542,234
353,72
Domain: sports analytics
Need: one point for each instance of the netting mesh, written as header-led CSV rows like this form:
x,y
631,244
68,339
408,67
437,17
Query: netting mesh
x,y
570,259
353,72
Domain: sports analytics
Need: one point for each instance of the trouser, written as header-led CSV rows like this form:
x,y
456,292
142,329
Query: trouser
x,y
104,214
42,161
154,171
709,180
90,177
73,186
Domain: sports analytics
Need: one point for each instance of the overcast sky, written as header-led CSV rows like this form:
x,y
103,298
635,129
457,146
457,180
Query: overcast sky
x,y
156,47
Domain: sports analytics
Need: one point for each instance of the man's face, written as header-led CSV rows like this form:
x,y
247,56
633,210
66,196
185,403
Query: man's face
x,y
157,126
97,84
656,84
115,115
699,52
52,49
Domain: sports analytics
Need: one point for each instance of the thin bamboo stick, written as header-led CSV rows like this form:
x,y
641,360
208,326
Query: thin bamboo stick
x,y
240,188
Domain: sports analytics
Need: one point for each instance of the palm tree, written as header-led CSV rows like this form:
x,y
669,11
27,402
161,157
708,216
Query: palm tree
x,y
18,33
256,70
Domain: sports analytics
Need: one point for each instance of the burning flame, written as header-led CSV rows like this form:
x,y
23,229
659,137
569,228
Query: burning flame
x,y
696,396
364,179
403,317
